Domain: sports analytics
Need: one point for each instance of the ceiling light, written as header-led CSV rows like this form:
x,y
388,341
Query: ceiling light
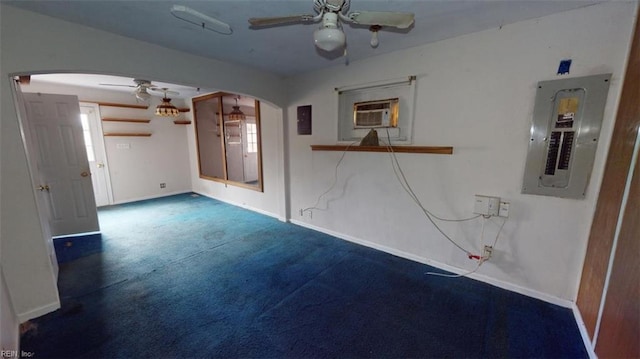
x,y
236,114
374,37
166,109
201,20
329,37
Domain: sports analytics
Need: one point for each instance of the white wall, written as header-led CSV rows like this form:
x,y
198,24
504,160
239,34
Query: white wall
x,y
271,200
475,93
32,43
9,339
136,172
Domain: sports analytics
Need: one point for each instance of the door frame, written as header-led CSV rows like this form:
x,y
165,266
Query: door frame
x,y
97,136
605,223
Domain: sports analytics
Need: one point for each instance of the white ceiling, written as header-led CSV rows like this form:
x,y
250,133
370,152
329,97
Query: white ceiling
x,y
289,50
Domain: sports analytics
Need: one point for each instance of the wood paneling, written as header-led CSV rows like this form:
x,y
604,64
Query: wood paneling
x,y
611,191
442,150
619,334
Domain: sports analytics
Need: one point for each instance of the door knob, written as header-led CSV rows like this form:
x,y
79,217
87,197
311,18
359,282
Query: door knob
x,y
84,174
43,188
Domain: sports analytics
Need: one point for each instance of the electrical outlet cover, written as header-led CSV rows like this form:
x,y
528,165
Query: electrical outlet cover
x,y
486,206
504,209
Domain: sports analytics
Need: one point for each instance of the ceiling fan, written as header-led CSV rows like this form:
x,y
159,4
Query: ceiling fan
x,y
142,88
330,37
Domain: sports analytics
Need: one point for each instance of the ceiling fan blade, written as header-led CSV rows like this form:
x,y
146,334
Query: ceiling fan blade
x,y
280,20
400,20
164,91
118,85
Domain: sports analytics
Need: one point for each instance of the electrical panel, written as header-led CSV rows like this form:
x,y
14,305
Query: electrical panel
x,y
564,135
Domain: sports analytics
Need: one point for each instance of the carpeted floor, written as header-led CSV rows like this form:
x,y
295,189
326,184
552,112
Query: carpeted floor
x,y
191,277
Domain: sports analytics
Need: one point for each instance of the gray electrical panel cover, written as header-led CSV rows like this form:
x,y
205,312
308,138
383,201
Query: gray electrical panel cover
x,y
564,135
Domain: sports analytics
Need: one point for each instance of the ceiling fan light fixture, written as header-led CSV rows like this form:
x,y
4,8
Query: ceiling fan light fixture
x,y
166,109
329,37
237,114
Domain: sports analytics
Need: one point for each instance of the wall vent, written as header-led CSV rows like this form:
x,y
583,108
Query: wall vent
x,y
375,114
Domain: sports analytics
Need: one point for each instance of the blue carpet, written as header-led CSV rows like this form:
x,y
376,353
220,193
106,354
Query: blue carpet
x,y
191,277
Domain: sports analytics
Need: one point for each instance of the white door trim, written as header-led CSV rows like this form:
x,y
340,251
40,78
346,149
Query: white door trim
x,y
97,135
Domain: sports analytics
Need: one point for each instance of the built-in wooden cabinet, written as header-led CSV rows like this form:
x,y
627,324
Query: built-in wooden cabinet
x,y
229,150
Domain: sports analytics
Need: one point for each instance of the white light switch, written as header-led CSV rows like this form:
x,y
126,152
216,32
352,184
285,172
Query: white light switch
x,y
486,206
123,146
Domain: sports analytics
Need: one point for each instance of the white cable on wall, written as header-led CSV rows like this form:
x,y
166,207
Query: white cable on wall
x,y
404,183
335,181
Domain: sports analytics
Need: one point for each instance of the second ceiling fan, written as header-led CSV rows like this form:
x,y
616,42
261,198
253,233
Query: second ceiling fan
x,y
142,88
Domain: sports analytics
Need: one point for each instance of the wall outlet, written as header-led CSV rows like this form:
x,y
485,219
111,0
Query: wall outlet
x,y
163,185
302,211
488,251
504,209
486,205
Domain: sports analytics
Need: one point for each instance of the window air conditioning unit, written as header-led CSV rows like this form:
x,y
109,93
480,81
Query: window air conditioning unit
x,y
376,114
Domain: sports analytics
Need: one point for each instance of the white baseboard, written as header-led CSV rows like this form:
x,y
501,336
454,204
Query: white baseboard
x,y
150,197
9,324
583,332
75,235
479,277
241,205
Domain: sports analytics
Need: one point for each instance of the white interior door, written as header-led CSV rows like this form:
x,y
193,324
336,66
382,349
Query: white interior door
x,y
250,151
63,169
41,200
96,154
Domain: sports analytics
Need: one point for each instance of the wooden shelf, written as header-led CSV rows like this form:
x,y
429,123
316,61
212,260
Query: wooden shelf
x,y
182,122
184,109
440,150
113,104
126,134
131,120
